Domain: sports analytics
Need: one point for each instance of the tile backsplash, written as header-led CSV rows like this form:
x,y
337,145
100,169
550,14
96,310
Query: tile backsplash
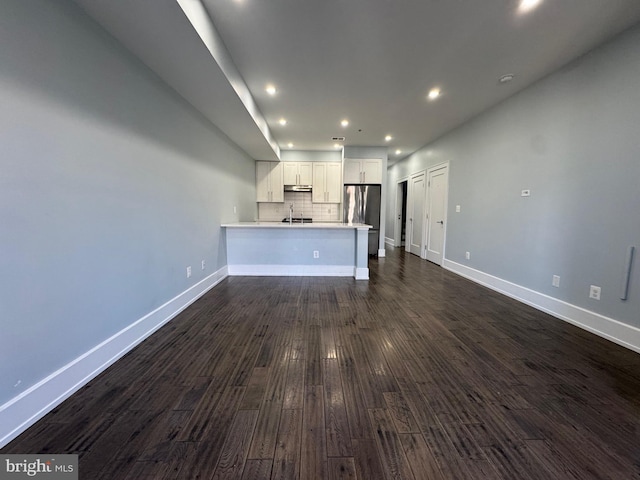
x,y
319,212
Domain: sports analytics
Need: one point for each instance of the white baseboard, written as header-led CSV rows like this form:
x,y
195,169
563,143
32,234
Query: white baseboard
x,y
609,328
292,270
362,273
24,410
390,241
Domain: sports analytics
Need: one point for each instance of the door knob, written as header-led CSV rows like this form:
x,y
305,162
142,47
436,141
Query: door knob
x,y
441,222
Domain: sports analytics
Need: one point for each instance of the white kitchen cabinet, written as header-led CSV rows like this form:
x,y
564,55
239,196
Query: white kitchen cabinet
x,y
269,182
327,182
297,173
334,182
362,170
352,171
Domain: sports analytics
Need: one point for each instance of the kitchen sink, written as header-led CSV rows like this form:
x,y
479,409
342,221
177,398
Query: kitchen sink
x,y
297,220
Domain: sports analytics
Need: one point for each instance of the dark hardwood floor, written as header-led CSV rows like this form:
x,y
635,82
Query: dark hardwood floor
x,y
415,374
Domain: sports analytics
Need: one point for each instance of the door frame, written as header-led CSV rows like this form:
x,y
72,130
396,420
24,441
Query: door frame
x,y
425,237
397,229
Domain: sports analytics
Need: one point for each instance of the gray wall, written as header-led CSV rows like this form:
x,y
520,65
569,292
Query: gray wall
x,y
110,185
310,156
573,139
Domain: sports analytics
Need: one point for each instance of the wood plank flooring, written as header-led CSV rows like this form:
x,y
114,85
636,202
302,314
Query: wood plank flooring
x,y
415,374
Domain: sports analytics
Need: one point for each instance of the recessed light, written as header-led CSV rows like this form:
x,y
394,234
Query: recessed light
x,y
344,123
388,138
506,78
282,121
434,93
336,145
528,5
271,89
290,145
398,152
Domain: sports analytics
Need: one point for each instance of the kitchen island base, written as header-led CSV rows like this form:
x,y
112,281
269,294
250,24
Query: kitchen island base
x,y
272,249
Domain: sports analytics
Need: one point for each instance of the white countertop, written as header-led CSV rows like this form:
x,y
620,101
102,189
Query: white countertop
x,y
317,225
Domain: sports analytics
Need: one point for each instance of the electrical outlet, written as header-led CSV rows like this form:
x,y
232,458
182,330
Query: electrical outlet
x,y
556,281
316,254
235,209
188,271
457,208
594,292
467,255
204,264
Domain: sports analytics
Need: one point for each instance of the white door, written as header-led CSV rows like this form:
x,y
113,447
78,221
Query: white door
x,y
437,183
415,213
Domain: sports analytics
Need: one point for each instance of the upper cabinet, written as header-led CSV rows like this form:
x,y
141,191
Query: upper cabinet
x,y
269,182
327,182
362,170
297,173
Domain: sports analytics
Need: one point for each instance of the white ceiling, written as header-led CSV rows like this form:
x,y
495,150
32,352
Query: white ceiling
x,y
371,61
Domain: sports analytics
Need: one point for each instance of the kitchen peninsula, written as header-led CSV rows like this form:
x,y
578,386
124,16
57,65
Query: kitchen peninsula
x,y
307,249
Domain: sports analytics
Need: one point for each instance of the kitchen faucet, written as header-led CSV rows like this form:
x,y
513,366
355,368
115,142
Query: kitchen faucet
x,y
290,213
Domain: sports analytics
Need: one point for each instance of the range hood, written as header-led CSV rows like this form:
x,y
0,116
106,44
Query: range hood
x,y
297,188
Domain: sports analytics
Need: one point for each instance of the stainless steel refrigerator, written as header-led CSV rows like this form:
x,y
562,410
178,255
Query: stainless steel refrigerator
x,y
362,205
